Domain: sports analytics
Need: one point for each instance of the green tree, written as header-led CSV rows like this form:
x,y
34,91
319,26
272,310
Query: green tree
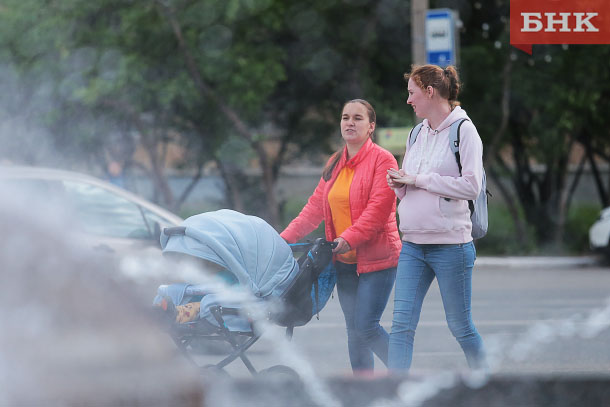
x,y
219,74
531,111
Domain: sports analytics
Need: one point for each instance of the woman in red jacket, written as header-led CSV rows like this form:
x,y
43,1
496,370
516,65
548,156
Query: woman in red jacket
x,y
359,212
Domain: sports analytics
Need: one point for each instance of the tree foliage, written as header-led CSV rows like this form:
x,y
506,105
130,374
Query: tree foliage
x,y
212,71
229,79
532,112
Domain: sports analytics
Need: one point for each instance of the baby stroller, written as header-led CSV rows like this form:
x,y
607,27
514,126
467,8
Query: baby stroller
x,y
261,262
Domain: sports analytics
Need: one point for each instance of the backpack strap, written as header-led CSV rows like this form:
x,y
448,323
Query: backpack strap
x,y
454,144
413,134
454,141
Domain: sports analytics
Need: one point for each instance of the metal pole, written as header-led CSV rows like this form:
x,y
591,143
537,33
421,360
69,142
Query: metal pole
x,y
418,33
418,36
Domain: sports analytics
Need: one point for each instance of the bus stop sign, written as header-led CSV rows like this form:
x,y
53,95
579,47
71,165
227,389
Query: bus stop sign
x,y
440,37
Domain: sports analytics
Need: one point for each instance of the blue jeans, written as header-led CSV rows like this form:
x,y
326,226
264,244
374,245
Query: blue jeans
x,y
452,265
363,298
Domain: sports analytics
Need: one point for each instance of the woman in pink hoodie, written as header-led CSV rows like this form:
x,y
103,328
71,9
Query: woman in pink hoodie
x,y
359,214
434,216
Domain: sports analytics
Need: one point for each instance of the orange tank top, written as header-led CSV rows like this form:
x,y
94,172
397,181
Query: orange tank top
x,y
338,199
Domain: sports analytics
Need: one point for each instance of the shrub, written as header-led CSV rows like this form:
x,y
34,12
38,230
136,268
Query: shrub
x,y
290,208
576,232
500,238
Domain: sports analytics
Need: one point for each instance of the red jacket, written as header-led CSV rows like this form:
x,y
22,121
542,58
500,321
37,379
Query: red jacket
x,y
373,233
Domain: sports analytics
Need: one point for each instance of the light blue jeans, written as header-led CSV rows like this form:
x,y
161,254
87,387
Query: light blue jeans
x,y
452,265
363,298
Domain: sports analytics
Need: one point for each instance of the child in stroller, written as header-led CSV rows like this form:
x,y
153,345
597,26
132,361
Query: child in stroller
x,y
252,255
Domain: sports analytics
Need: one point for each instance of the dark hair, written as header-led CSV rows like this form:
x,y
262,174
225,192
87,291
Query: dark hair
x,y
332,163
445,81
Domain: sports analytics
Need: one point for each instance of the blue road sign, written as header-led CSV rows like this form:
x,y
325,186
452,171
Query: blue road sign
x,y
440,38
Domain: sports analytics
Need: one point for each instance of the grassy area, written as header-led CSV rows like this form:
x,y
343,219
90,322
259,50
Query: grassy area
x,y
580,219
501,238
291,208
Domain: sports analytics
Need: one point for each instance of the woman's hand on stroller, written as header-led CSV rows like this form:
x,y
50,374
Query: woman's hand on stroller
x,y
342,246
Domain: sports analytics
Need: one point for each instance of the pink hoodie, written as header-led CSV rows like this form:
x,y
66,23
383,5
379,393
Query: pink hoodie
x,y
426,216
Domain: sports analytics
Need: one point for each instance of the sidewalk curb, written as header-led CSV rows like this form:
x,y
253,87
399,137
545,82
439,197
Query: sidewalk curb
x,y
537,261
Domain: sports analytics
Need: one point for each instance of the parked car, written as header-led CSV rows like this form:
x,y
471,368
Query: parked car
x,y
599,233
109,218
105,217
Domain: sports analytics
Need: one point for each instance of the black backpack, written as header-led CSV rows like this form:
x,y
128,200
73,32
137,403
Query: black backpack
x,y
298,305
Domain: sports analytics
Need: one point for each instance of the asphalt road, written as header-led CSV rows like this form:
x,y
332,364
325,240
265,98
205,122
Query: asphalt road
x,y
541,318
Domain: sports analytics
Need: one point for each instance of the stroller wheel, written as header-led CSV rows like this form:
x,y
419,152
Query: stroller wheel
x,y
280,373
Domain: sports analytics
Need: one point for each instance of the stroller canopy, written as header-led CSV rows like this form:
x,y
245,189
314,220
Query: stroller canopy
x,y
245,245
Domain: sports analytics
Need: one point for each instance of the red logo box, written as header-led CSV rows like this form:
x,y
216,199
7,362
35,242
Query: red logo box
x,y
558,22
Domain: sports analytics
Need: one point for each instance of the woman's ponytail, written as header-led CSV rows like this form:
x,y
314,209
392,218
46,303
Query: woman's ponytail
x,y
445,80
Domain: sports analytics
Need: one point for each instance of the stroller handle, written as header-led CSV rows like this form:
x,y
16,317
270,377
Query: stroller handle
x,y
304,246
